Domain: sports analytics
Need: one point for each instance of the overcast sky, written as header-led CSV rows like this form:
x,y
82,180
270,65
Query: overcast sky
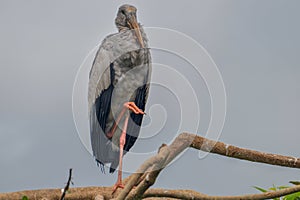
x,y
255,45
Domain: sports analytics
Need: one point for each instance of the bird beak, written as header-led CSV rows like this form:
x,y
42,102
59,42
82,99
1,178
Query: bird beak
x,y
134,25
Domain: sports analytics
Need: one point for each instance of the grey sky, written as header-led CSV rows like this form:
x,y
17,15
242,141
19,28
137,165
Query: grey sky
x,y
255,44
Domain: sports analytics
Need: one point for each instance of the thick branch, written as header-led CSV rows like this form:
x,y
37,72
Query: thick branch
x,y
221,148
154,163
186,140
192,195
176,194
88,193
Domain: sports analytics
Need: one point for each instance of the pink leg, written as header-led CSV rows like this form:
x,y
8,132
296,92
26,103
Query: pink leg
x,y
122,143
113,129
128,105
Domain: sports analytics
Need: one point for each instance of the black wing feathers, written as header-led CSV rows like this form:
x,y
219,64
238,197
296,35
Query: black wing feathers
x,y
135,123
103,102
98,118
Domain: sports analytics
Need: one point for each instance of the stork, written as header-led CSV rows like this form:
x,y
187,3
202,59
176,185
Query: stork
x,y
118,91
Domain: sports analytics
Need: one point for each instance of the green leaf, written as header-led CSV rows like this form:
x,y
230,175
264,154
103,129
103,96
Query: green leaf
x,y
25,198
283,187
295,182
273,188
294,196
260,189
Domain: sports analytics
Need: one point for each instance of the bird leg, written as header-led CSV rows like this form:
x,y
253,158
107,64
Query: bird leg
x,y
128,105
122,143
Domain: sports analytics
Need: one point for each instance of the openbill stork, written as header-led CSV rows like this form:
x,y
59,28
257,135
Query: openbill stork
x,y
118,91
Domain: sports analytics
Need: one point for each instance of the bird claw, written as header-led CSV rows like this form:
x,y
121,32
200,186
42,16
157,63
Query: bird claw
x,y
118,185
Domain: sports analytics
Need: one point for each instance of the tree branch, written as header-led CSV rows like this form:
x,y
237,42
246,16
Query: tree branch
x,y
150,169
87,193
221,148
150,176
186,140
154,163
192,195
90,193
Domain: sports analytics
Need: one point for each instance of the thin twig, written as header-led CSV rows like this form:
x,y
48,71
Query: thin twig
x,y
67,185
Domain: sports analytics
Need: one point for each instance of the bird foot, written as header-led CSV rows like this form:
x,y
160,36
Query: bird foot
x,y
131,106
118,184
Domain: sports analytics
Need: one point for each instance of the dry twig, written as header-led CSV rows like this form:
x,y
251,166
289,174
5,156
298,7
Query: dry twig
x,y
67,185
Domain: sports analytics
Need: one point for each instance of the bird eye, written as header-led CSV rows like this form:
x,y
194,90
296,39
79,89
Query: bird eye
x,y
123,12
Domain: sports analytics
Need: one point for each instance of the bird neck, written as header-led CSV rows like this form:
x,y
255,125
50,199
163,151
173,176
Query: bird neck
x,y
122,28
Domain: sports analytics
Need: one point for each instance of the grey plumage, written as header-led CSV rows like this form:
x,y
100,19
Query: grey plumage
x,y
120,73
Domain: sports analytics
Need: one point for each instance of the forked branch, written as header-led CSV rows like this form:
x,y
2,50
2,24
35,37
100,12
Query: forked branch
x,y
152,167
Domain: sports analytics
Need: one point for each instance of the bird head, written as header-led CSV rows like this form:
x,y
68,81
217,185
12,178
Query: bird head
x,y
126,19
